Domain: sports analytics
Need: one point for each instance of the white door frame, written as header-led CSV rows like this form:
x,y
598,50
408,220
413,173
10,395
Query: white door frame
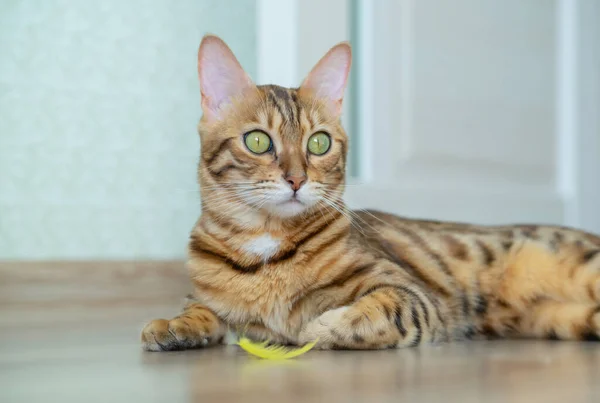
x,y
587,197
293,34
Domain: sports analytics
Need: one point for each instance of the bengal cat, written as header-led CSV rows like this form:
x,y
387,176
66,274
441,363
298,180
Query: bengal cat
x,y
277,255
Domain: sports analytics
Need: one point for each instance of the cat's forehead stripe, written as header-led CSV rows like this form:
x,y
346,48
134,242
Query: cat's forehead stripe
x,y
284,102
277,103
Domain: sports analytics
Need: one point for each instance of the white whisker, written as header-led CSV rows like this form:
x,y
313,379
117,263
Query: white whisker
x,y
352,214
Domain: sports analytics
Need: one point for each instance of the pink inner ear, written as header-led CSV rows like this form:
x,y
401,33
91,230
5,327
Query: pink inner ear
x,y
328,79
221,75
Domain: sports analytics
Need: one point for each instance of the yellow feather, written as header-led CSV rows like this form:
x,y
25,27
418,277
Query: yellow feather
x,y
262,350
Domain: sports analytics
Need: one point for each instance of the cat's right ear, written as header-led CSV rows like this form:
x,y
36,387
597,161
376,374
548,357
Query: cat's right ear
x,y
221,76
328,79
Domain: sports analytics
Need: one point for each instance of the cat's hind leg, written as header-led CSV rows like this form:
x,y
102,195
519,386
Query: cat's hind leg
x,y
533,271
546,292
548,319
563,321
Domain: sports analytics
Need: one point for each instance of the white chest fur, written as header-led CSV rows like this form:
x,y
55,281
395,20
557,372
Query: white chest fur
x,y
264,246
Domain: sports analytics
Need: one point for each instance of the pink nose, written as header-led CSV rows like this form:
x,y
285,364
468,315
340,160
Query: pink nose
x,y
295,182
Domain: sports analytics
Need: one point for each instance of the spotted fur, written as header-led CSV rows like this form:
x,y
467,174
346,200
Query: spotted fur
x,y
357,279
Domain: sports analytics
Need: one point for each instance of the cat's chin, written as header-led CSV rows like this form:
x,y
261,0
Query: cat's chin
x,y
288,209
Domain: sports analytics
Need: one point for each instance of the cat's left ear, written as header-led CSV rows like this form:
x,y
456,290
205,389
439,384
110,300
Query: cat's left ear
x,y
328,79
222,78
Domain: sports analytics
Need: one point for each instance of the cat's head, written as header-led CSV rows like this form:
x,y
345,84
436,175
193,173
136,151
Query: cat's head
x,y
266,149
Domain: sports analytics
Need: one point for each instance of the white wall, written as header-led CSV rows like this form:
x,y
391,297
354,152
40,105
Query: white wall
x,y
480,111
99,103
586,115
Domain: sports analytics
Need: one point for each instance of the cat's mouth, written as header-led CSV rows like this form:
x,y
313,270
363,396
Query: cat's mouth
x,y
290,206
291,201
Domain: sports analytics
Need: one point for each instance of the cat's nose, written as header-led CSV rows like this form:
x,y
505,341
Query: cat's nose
x,y
296,182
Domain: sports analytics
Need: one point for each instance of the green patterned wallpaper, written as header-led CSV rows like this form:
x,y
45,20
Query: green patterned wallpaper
x,y
99,103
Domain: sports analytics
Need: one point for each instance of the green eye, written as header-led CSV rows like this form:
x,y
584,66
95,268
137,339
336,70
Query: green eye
x,y
319,143
258,142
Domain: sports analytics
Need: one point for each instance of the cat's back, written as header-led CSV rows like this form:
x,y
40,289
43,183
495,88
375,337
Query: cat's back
x,y
454,243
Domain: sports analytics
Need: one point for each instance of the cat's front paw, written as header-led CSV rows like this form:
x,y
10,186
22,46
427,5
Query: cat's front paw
x,y
170,335
325,329
196,328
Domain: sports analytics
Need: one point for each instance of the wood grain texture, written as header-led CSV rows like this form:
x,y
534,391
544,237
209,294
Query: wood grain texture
x,y
70,331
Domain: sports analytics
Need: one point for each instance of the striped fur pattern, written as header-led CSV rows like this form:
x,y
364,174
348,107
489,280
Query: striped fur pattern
x,y
293,272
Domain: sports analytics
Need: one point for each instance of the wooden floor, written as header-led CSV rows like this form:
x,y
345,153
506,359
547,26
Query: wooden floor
x,y
69,333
